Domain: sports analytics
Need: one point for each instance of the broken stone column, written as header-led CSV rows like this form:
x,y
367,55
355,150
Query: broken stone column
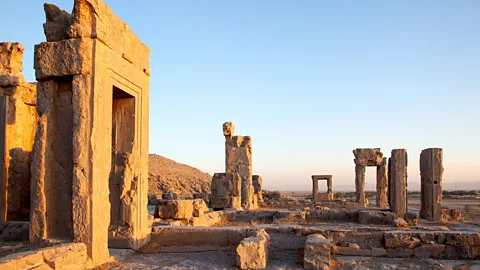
x,y
226,191
238,159
398,181
431,171
382,184
257,182
93,107
17,131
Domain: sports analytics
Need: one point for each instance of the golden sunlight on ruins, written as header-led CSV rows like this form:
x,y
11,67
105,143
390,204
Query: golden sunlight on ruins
x,y
86,119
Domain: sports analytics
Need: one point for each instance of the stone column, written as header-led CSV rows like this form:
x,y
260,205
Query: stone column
x,y
329,189
360,184
315,189
382,184
238,161
398,172
431,171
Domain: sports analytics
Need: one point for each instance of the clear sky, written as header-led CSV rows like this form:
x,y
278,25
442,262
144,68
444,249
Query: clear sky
x,y
308,80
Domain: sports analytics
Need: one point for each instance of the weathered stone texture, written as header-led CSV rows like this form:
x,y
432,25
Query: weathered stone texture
x,y
58,21
65,256
238,156
431,171
375,217
370,157
411,218
226,191
441,245
17,133
257,182
398,182
180,209
381,199
360,185
93,107
317,252
252,252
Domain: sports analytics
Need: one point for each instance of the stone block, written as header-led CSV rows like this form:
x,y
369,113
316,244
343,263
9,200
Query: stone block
x,y
368,156
180,209
225,202
317,252
429,250
411,218
58,21
252,253
169,196
399,222
400,240
400,252
226,185
375,217
290,217
11,54
63,58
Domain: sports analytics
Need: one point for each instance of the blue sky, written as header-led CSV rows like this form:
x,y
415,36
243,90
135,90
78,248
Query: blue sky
x,y
308,80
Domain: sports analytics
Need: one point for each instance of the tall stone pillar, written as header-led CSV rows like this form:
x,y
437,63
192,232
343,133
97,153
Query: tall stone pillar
x,y
314,188
398,173
360,184
382,184
238,161
431,171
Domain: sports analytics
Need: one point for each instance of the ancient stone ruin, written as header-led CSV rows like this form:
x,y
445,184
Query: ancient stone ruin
x,y
370,157
431,171
397,181
317,197
234,188
91,102
73,180
18,123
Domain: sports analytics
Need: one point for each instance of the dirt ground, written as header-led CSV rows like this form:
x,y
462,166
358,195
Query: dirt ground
x,y
279,260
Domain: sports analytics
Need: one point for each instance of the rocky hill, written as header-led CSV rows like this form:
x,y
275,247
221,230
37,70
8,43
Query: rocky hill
x,y
165,176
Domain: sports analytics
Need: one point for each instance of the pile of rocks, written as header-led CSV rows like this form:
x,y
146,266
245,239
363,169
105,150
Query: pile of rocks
x,y
184,212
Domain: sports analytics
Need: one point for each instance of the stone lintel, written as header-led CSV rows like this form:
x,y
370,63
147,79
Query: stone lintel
x,y
63,58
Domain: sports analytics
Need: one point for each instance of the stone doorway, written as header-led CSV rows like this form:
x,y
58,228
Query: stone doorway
x,y
122,183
